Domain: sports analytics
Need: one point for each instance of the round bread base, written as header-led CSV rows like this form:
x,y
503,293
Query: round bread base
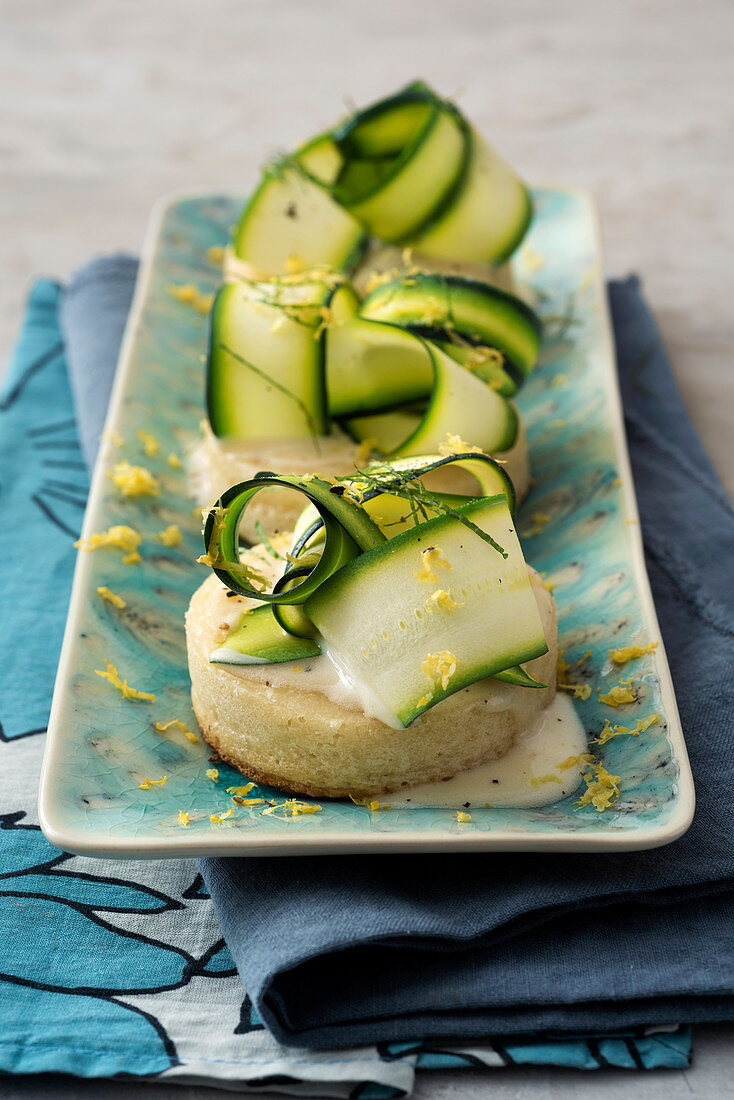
x,y
262,721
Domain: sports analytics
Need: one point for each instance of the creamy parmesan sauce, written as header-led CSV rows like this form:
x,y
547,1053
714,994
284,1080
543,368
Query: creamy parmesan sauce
x,y
556,735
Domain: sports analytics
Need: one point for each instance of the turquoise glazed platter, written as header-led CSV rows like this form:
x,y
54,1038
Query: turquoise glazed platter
x,y
101,790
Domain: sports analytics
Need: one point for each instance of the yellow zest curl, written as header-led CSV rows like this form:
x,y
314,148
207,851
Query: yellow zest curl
x,y
122,685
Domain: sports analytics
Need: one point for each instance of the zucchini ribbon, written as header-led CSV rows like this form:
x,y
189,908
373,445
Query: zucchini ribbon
x,y
347,524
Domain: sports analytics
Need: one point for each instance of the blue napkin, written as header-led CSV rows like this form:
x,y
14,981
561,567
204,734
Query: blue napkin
x,y
341,950
470,943
119,968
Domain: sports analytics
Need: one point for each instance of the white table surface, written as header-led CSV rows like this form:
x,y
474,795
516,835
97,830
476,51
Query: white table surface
x,y
106,104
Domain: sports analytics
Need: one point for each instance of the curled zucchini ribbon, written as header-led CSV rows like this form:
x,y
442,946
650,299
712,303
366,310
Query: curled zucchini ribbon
x,y
409,169
291,347
342,564
347,531
341,520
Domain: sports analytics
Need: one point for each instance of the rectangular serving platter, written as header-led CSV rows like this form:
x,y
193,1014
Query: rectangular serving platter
x,y
101,747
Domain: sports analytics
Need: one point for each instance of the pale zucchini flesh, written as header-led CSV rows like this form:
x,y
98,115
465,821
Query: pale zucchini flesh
x,y
460,403
259,639
265,371
473,411
291,222
399,199
321,158
371,367
488,218
383,626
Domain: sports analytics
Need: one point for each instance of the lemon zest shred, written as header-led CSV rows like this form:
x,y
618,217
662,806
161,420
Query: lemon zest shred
x,y
609,731
462,815
572,761
174,461
217,819
431,559
148,784
184,819
111,597
122,685
151,446
190,295
628,653
120,537
579,691
563,679
455,445
620,694
213,774
134,481
188,734
602,788
292,807
170,536
439,667
241,790
441,598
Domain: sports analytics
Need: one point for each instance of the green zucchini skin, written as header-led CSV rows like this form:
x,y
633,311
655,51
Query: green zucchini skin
x,y
519,676
383,129
259,639
408,169
486,217
442,306
374,367
265,369
382,642
347,529
474,412
292,617
490,475
403,157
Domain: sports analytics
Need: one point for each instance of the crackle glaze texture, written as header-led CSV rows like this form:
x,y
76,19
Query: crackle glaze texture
x,y
578,527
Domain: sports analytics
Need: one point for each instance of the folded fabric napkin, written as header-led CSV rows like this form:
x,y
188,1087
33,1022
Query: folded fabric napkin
x,y
110,967
343,950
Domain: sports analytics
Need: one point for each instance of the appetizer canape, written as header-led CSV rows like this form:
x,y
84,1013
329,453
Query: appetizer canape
x,y
400,640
